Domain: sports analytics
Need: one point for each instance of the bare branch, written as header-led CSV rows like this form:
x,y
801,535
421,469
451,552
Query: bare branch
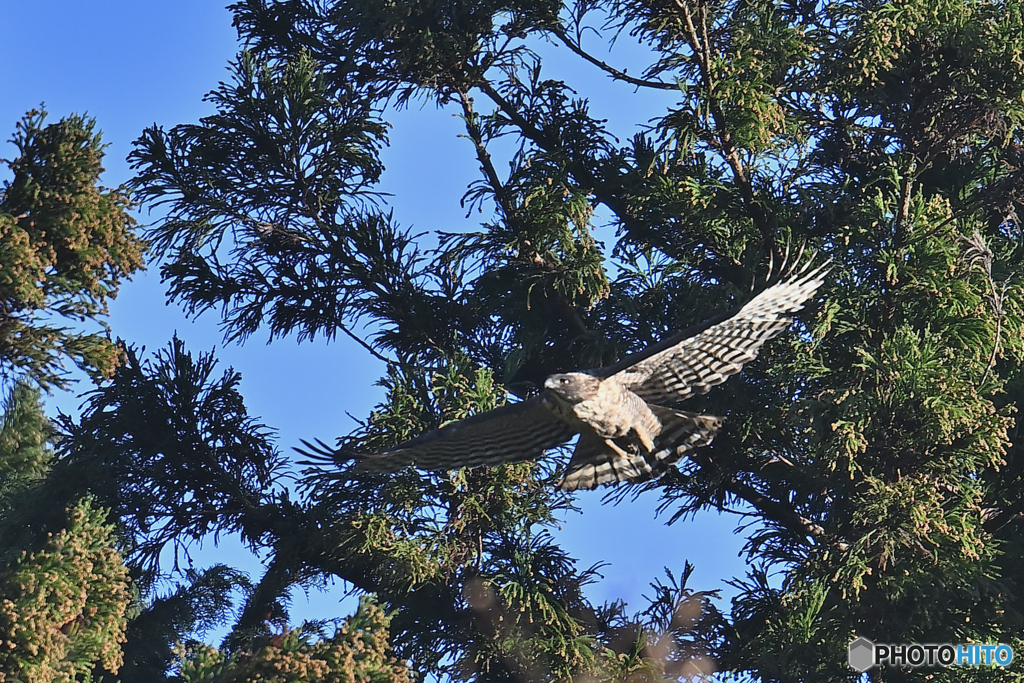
x,y
559,32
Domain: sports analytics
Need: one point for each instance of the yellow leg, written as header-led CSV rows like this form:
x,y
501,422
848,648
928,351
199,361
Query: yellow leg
x,y
615,447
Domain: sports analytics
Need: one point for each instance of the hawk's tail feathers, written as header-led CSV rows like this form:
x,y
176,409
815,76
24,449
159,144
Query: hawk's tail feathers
x,y
594,464
681,431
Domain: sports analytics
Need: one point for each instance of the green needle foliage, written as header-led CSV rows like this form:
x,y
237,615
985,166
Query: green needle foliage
x,y
24,447
875,446
65,245
64,589
63,606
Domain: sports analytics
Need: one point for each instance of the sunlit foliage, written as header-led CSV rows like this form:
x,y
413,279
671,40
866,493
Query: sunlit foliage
x,y
358,652
66,244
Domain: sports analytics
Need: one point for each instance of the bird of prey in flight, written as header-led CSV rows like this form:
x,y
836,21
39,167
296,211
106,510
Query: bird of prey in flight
x,y
625,414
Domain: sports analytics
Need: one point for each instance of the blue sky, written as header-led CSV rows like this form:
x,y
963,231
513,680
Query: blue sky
x,y
132,64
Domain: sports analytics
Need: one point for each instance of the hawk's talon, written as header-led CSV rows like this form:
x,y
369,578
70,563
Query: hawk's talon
x,y
646,440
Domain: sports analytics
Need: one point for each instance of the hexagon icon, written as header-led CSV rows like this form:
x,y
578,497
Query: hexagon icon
x,y
862,654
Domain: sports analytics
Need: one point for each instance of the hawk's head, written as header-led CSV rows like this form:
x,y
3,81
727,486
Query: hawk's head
x,y
573,386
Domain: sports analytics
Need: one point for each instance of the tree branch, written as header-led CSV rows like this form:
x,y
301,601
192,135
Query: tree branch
x,y
700,43
373,352
559,32
783,515
504,203
770,509
584,175
469,116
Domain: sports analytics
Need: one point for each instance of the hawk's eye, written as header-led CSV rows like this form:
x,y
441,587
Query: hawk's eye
x,y
564,381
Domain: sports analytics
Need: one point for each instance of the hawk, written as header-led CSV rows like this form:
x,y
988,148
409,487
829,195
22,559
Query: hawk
x,y
629,428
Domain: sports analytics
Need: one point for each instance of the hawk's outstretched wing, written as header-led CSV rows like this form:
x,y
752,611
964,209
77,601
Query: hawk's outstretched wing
x,y
511,433
699,362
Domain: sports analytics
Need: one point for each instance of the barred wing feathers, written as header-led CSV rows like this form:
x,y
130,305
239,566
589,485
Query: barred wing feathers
x,y
699,362
512,433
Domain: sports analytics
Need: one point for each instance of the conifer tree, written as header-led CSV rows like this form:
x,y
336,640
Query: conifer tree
x,y
24,442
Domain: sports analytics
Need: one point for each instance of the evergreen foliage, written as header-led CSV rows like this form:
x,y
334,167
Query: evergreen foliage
x,y
357,652
65,245
166,426
160,428
63,606
876,446
64,590
24,449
